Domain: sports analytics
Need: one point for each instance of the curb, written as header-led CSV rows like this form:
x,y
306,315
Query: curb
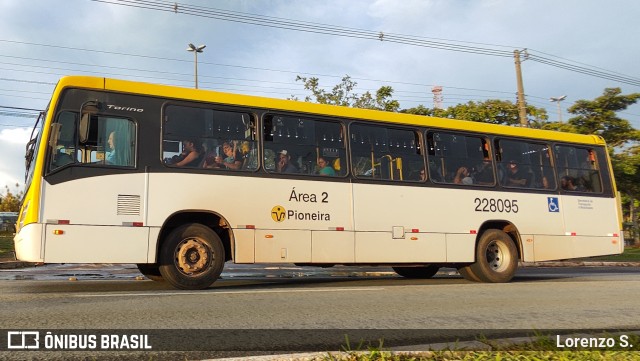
x,y
15,264
579,264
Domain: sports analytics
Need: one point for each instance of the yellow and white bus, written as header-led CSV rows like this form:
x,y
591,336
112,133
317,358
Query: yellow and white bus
x,y
180,181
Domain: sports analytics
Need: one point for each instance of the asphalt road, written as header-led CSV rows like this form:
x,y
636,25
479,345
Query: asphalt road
x,y
293,298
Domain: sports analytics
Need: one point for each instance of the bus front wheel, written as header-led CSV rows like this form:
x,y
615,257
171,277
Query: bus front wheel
x,y
192,257
422,272
496,259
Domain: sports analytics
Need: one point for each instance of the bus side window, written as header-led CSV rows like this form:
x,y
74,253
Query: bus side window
x,y
459,159
299,145
386,153
525,164
578,169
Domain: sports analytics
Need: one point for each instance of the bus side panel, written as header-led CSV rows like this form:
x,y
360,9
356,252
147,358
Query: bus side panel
x,y
461,247
381,247
552,247
286,246
332,247
98,216
80,244
549,248
590,216
244,245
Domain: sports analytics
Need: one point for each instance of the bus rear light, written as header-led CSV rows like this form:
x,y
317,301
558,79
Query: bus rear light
x,y
339,229
415,230
58,232
133,224
246,226
473,231
616,235
570,234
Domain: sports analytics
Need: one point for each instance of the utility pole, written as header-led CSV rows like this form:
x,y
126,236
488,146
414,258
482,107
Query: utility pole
x,y
522,107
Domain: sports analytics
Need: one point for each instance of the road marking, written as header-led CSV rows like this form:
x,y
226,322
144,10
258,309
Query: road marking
x,y
215,292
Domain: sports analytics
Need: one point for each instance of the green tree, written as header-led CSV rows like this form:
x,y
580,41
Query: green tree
x,y
599,117
10,202
494,111
343,94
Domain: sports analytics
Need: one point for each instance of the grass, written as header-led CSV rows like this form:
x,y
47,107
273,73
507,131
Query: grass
x,y
6,246
541,348
631,254
485,355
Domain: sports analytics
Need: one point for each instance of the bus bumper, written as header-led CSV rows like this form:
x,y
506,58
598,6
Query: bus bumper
x,y
28,243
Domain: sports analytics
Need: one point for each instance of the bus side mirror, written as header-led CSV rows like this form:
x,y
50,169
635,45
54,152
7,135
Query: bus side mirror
x,y
87,110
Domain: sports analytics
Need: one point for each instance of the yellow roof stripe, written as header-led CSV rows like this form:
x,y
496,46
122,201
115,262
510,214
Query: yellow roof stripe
x,y
166,91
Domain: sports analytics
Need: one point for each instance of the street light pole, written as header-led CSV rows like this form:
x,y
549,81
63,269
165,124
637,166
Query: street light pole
x,y
196,50
558,100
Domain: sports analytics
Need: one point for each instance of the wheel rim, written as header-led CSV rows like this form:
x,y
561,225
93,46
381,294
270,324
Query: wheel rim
x,y
192,256
498,257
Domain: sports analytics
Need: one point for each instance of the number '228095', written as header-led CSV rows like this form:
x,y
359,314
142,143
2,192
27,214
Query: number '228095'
x,y
496,205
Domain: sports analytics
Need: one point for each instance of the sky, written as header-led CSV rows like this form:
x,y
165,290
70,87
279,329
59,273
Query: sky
x,y
43,40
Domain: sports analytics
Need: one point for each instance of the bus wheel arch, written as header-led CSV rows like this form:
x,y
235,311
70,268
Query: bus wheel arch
x,y
498,249
216,222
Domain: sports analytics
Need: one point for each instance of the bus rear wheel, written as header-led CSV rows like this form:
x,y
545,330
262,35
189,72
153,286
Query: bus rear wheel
x,y
496,258
417,272
192,257
151,271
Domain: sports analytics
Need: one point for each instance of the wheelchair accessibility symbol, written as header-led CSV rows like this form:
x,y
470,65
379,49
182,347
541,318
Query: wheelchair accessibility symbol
x,y
552,203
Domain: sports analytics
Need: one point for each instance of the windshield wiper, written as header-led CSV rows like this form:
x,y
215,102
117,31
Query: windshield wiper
x,y
30,151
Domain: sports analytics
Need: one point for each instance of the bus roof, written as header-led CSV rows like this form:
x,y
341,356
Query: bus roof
x,y
317,109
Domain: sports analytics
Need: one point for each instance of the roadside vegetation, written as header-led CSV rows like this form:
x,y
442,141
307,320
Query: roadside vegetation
x,y
542,347
6,246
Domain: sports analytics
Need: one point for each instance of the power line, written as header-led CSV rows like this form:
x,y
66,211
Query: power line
x,y
301,26
288,24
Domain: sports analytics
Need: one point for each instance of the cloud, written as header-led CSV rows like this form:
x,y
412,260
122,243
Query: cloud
x,y
12,148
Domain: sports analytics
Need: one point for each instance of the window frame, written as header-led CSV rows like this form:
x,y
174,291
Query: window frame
x,y
264,148
484,138
419,145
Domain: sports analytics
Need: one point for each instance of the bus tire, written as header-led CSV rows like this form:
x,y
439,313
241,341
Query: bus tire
x,y
151,271
467,273
192,257
422,272
496,257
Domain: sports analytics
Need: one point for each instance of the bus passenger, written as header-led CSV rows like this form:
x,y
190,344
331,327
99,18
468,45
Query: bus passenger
x,y
232,159
463,176
516,177
324,168
284,163
190,156
568,183
110,156
423,175
484,173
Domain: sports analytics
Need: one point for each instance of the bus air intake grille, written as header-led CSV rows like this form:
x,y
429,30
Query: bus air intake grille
x,y
128,205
